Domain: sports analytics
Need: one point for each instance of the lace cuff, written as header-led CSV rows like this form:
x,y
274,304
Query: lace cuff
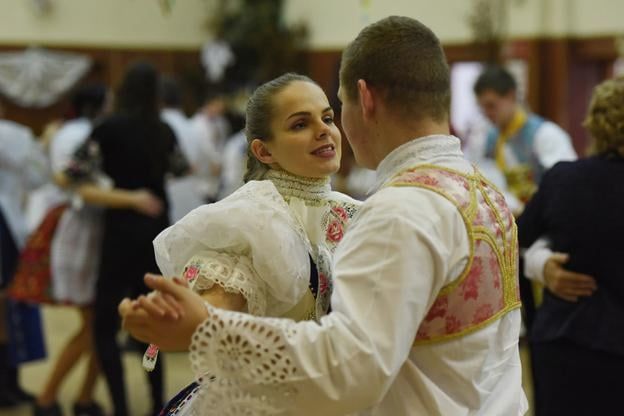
x,y
233,273
242,366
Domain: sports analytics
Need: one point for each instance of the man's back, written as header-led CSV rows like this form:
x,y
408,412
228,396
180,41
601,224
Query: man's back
x,y
478,372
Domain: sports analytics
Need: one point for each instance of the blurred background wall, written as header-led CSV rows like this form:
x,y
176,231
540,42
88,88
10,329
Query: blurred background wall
x,y
559,48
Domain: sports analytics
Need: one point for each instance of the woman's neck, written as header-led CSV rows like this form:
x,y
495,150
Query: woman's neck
x,y
290,185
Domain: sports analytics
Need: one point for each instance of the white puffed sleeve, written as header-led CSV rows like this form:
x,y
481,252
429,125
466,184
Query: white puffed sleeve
x,y
248,243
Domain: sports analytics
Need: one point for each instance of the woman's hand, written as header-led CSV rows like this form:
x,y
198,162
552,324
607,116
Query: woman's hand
x,y
146,203
566,284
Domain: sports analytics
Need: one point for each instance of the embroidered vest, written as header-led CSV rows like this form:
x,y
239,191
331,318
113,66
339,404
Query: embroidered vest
x,y
488,286
522,178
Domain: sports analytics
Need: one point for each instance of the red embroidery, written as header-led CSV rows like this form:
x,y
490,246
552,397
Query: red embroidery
x,y
191,273
438,309
423,332
491,215
470,288
323,283
453,324
500,200
494,269
483,313
335,231
479,218
152,351
426,180
341,213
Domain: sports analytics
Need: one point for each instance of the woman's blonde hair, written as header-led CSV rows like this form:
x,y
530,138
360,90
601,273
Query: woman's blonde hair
x,y
605,116
258,119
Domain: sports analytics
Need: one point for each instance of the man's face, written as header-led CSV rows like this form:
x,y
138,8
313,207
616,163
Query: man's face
x,y
353,126
499,109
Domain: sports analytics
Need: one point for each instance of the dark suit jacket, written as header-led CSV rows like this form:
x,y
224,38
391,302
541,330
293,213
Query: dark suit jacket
x,y
580,207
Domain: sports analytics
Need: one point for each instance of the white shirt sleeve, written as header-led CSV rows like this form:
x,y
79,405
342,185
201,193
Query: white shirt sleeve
x,y
205,137
403,247
552,145
20,153
535,258
38,171
234,163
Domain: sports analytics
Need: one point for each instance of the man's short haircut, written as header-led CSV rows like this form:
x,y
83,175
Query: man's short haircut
x,y
404,60
497,79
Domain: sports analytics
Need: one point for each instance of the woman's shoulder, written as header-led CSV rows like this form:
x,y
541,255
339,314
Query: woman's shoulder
x,y
573,169
250,222
255,201
254,193
344,199
109,125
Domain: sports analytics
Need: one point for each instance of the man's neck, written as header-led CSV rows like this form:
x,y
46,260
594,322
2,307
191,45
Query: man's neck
x,y
509,119
397,134
516,122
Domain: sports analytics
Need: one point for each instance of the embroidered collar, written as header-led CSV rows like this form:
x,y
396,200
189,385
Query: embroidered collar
x,y
427,149
307,189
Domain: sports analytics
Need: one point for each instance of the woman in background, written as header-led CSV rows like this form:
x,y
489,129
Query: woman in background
x,y
578,341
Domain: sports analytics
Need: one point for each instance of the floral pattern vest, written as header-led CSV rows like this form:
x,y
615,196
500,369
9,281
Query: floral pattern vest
x,y
488,287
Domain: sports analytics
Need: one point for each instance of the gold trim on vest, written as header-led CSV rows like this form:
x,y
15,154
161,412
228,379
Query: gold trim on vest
x,y
488,286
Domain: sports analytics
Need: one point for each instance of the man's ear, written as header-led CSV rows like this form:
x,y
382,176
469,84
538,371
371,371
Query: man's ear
x,y
367,99
261,151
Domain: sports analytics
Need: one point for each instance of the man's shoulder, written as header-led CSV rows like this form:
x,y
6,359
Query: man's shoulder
x,y
548,128
410,202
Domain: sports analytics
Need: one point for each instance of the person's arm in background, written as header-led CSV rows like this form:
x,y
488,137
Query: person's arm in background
x,y
25,157
552,144
83,177
541,263
535,257
140,200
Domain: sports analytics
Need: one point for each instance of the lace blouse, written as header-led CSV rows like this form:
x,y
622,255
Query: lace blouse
x,y
258,242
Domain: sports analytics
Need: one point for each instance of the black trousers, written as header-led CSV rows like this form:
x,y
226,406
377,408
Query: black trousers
x,y
121,274
574,380
9,254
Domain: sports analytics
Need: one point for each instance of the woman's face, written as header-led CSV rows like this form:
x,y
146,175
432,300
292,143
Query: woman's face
x,y
305,141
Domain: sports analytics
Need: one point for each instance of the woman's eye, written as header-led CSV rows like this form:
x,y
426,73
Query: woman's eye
x,y
328,119
299,125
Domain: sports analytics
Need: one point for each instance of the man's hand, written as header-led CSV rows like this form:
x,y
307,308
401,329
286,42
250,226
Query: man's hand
x,y
566,284
168,317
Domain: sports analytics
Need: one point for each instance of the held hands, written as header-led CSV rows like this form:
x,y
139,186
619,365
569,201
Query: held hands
x,y
565,284
167,317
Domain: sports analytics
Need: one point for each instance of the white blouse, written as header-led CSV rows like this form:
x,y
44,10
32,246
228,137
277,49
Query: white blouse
x,y
23,167
404,245
258,241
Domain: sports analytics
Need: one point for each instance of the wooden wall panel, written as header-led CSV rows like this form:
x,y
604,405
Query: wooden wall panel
x,y
323,68
108,67
562,73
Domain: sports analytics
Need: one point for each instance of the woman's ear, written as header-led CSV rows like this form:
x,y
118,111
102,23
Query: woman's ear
x,y
261,151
